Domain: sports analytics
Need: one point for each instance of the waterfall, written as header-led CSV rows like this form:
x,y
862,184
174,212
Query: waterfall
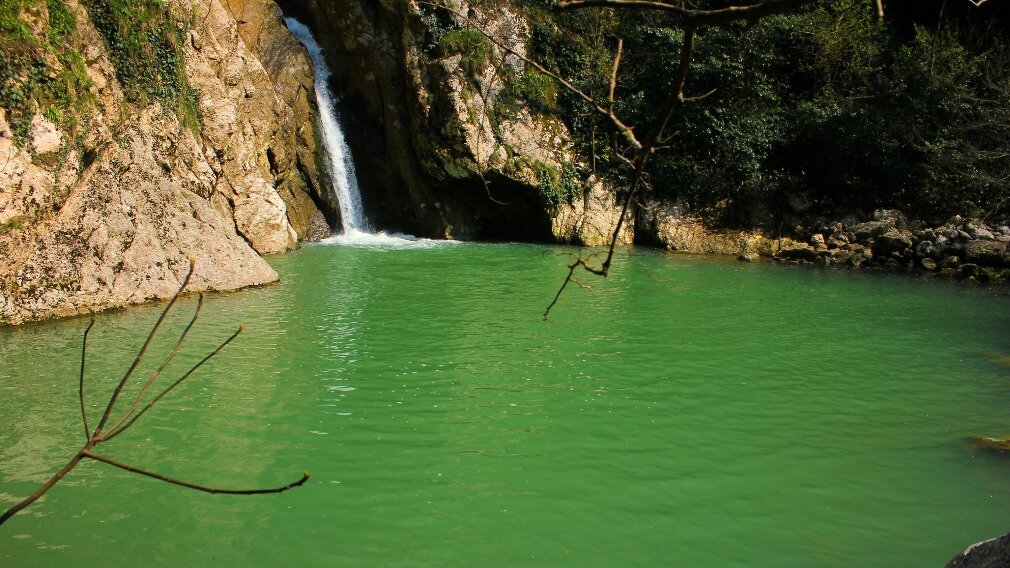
x,y
352,215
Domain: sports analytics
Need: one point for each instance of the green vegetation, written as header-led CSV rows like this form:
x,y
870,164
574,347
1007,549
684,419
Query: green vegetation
x,y
12,224
824,103
41,72
556,187
145,43
472,45
539,90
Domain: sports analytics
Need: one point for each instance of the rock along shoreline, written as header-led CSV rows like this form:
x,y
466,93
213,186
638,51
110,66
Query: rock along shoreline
x,y
961,249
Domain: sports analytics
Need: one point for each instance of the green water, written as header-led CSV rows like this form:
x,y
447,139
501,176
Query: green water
x,y
684,412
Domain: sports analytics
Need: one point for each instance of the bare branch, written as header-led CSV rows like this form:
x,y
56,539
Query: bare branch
x,y
168,359
143,350
113,433
613,73
41,490
616,122
693,16
84,351
204,488
95,438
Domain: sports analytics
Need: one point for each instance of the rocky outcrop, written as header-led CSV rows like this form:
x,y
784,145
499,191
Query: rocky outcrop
x,y
592,219
111,214
993,553
294,152
670,226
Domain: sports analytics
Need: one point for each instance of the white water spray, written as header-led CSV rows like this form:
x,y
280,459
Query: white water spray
x,y
352,214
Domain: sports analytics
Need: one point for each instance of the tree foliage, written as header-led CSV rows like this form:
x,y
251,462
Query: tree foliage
x,y
828,103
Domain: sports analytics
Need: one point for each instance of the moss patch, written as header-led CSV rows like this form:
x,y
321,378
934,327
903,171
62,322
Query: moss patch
x,y
146,46
472,45
41,73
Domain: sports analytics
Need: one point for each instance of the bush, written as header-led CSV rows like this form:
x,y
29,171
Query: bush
x,y
826,102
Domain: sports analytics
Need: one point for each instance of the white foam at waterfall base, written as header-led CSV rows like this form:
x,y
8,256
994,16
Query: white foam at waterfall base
x,y
381,240
345,183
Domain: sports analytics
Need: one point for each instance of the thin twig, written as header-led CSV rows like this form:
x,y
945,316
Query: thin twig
x,y
693,16
41,490
84,351
168,359
613,73
204,488
616,122
93,439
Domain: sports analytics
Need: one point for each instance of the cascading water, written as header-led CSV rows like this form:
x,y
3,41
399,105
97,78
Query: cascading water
x,y
352,214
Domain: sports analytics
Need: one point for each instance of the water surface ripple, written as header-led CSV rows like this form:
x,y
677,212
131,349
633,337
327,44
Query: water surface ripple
x,y
683,412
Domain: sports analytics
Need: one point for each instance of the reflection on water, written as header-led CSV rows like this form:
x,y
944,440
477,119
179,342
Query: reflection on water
x,y
712,412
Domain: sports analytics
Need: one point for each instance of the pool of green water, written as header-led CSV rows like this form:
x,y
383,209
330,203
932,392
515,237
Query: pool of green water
x,y
684,412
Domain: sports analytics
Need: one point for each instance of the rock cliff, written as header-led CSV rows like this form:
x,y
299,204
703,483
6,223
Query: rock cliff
x,y
107,190
444,147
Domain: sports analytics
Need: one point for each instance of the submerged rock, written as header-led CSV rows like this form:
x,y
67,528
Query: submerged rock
x,y
993,553
993,444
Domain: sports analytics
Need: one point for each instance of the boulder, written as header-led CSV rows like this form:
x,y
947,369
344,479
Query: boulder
x,y
926,249
838,240
797,251
985,252
968,270
870,229
928,264
892,242
978,231
950,262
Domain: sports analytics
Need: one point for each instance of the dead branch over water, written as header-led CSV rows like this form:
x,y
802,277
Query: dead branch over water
x,y
102,434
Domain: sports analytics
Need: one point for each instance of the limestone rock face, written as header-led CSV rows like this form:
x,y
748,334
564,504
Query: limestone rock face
x,y
668,225
123,234
294,151
112,214
592,219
